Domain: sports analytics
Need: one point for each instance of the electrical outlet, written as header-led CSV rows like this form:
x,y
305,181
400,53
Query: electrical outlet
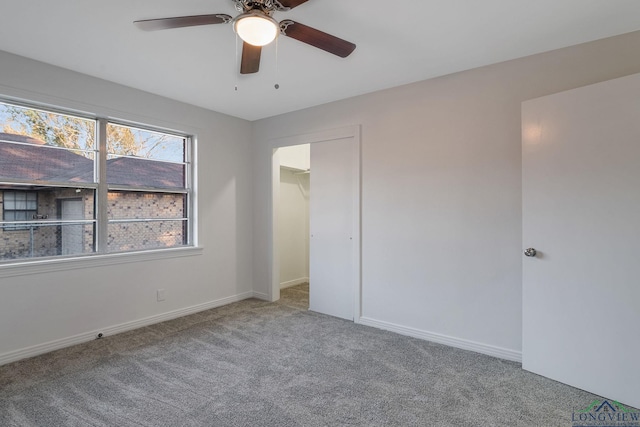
x,y
160,294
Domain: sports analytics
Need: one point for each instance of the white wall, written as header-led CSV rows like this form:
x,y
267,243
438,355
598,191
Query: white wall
x,y
293,227
65,306
441,191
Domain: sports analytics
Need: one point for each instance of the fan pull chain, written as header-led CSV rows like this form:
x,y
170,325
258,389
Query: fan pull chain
x,y
235,72
277,85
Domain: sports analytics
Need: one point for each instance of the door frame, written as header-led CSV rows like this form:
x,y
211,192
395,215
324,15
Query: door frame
x,y
352,132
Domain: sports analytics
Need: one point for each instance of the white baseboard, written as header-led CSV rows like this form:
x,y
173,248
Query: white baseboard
x,y
261,296
35,350
490,350
294,282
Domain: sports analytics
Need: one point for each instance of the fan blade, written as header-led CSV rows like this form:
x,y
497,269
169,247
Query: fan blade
x,y
182,21
250,58
291,3
317,38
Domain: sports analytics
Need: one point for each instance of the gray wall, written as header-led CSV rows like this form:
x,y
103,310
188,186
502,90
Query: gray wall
x,y
441,191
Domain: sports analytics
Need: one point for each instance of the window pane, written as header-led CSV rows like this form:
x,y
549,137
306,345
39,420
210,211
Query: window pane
x,y
143,173
144,159
38,127
47,240
141,221
38,145
44,163
75,239
54,231
131,236
129,141
139,205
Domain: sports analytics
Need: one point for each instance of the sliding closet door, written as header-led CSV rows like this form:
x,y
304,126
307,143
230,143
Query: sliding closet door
x,y
333,227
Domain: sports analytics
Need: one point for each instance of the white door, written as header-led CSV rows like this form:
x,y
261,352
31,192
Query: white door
x,y
333,198
71,235
581,212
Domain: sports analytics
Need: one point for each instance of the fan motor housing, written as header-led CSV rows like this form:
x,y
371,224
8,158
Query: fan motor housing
x,y
266,6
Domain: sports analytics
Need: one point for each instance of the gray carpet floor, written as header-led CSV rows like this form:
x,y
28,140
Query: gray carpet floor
x,y
255,363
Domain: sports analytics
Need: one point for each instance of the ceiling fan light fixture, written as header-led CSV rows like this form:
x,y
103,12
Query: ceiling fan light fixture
x,y
256,28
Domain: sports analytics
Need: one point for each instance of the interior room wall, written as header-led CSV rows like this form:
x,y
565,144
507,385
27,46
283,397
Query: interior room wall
x,y
293,227
441,191
42,311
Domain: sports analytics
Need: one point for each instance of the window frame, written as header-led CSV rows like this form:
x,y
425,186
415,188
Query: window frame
x,y
101,188
187,191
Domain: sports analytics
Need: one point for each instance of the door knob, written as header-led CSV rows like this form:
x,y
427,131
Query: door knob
x,y
530,252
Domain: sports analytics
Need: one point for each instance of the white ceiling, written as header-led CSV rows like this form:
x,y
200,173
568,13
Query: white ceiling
x,y
397,42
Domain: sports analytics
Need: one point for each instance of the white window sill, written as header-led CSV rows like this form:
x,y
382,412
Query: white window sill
x,y
39,266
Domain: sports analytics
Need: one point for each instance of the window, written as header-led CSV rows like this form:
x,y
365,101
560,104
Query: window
x,y
148,195
68,189
19,206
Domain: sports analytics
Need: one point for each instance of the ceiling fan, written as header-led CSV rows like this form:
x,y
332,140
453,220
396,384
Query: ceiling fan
x,y
256,27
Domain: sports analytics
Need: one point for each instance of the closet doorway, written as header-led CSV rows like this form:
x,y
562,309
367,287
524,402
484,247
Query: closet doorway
x,y
293,224
327,192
